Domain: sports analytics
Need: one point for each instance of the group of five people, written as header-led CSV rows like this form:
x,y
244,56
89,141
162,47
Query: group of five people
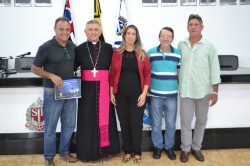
x,y
121,80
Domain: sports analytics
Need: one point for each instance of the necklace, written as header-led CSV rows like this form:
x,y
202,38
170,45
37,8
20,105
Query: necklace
x,y
94,71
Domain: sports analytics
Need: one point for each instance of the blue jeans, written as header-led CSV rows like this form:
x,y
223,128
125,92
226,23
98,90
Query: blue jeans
x,y
52,111
168,106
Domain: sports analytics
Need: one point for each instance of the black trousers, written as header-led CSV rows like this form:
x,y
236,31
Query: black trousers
x,y
131,122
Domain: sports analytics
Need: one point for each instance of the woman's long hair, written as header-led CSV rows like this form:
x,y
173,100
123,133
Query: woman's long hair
x,y
137,44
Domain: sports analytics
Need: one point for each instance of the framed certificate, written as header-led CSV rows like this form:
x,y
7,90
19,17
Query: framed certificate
x,y
6,3
168,3
207,2
149,3
244,2
188,2
41,3
23,3
227,2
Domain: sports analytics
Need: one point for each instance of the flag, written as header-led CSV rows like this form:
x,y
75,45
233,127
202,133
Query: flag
x,y
147,115
147,122
97,16
122,24
67,14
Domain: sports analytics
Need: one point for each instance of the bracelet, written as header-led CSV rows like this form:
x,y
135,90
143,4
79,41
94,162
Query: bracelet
x,y
216,93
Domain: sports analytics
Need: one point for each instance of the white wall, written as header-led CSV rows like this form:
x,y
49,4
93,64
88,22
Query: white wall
x,y
24,29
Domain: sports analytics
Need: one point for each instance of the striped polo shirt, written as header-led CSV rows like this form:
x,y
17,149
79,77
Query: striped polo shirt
x,y
164,71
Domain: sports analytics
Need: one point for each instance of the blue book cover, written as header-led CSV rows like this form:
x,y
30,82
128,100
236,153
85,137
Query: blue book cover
x,y
70,90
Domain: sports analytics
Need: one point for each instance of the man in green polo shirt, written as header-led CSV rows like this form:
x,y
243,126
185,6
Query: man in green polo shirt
x,y
199,82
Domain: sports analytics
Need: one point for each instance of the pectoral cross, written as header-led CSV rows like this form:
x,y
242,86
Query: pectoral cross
x,y
94,71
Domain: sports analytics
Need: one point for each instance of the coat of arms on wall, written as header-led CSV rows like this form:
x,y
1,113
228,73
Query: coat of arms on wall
x,y
34,116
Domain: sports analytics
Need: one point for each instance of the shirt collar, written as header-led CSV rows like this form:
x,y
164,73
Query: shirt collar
x,y
58,44
159,48
90,43
202,40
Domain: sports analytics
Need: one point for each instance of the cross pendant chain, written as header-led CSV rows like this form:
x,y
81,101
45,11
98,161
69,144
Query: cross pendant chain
x,y
94,71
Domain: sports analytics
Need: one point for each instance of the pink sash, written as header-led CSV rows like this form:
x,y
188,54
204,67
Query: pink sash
x,y
103,77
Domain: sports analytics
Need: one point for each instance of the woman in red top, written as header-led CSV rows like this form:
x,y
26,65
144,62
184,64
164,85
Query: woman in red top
x,y
129,83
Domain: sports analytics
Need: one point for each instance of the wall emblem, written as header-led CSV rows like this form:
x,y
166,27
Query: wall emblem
x,y
34,116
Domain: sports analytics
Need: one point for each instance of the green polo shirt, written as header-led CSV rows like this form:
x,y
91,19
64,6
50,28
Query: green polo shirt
x,y
199,70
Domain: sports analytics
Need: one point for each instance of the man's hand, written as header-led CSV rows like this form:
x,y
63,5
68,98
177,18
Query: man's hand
x,y
213,99
57,81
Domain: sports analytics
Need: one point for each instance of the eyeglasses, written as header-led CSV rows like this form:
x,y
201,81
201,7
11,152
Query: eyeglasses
x,y
66,53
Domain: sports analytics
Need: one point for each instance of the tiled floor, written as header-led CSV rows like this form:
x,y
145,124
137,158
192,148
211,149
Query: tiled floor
x,y
232,157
